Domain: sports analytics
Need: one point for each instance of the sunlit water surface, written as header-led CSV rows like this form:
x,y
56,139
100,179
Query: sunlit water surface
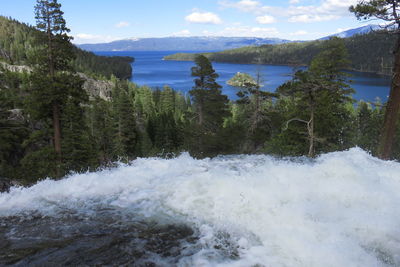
x,y
149,69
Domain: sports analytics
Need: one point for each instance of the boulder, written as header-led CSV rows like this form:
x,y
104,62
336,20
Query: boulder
x,y
6,184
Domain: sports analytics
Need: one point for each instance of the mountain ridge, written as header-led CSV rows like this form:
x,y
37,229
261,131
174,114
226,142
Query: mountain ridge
x,y
175,43
367,53
355,31
214,43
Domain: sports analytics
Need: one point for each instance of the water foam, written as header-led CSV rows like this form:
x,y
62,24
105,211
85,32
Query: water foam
x,y
339,210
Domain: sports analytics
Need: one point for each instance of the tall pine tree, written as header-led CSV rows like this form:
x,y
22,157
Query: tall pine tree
x,y
387,10
319,96
53,82
210,106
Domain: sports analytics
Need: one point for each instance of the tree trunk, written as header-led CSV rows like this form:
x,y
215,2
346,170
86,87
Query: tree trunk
x,y
310,124
201,129
310,127
56,107
57,131
201,116
392,109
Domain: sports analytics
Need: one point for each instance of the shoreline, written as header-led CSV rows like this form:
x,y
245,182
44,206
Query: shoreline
x,y
266,64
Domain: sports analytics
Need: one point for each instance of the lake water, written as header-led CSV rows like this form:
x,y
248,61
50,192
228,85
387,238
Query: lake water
x,y
149,69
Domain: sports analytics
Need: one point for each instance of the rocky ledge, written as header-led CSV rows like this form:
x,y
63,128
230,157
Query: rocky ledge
x,y
6,184
95,88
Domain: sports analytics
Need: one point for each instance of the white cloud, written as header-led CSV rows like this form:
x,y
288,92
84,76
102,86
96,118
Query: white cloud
x,y
337,6
299,33
84,38
122,24
265,19
245,31
247,6
327,10
182,33
324,11
312,18
203,18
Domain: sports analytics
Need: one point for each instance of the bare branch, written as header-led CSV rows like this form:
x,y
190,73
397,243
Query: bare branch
x,y
294,119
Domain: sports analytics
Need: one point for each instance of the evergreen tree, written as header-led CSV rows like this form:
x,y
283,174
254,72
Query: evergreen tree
x,y
255,105
369,125
165,133
387,10
54,86
210,106
13,125
320,96
19,45
52,62
78,146
102,129
167,100
125,129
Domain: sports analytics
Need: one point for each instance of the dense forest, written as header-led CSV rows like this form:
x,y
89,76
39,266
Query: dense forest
x,y
49,126
367,53
19,43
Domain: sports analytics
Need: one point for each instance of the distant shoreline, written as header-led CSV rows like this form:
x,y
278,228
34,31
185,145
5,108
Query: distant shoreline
x,y
169,58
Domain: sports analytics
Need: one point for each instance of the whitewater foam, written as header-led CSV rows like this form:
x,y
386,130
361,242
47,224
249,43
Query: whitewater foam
x,y
340,210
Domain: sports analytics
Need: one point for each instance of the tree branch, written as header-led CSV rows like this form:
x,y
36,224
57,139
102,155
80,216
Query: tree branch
x,y
295,119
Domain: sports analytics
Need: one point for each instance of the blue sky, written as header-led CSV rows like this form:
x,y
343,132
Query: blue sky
x,y
93,21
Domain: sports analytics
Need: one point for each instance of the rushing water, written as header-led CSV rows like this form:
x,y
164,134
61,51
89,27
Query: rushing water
x,y
149,69
341,209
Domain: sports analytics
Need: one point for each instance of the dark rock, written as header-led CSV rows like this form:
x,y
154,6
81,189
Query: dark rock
x,y
6,184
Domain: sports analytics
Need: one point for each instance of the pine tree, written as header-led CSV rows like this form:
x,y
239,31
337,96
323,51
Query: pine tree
x,y
167,100
79,150
53,61
387,10
319,97
210,106
254,104
55,89
125,139
102,129
13,124
369,123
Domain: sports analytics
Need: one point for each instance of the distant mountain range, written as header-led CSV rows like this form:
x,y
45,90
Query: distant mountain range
x,y
203,43
349,33
181,44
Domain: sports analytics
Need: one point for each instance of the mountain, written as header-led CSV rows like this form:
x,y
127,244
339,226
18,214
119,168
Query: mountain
x,y
367,53
19,41
181,44
205,43
357,31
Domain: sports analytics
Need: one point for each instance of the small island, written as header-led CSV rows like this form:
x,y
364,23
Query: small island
x,y
242,80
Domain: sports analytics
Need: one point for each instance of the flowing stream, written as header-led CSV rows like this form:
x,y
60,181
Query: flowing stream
x,y
341,209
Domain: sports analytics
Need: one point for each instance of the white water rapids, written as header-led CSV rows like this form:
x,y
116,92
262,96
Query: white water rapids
x,y
343,209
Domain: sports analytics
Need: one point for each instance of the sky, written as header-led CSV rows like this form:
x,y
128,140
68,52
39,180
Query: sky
x,y
97,21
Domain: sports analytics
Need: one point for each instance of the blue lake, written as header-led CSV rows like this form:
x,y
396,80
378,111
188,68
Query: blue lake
x,y
149,69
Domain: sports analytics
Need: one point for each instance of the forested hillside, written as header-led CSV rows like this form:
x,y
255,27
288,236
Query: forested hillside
x,y
50,127
368,53
18,45
141,122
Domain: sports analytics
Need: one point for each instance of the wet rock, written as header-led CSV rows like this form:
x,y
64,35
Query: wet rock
x,y
6,184
104,239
